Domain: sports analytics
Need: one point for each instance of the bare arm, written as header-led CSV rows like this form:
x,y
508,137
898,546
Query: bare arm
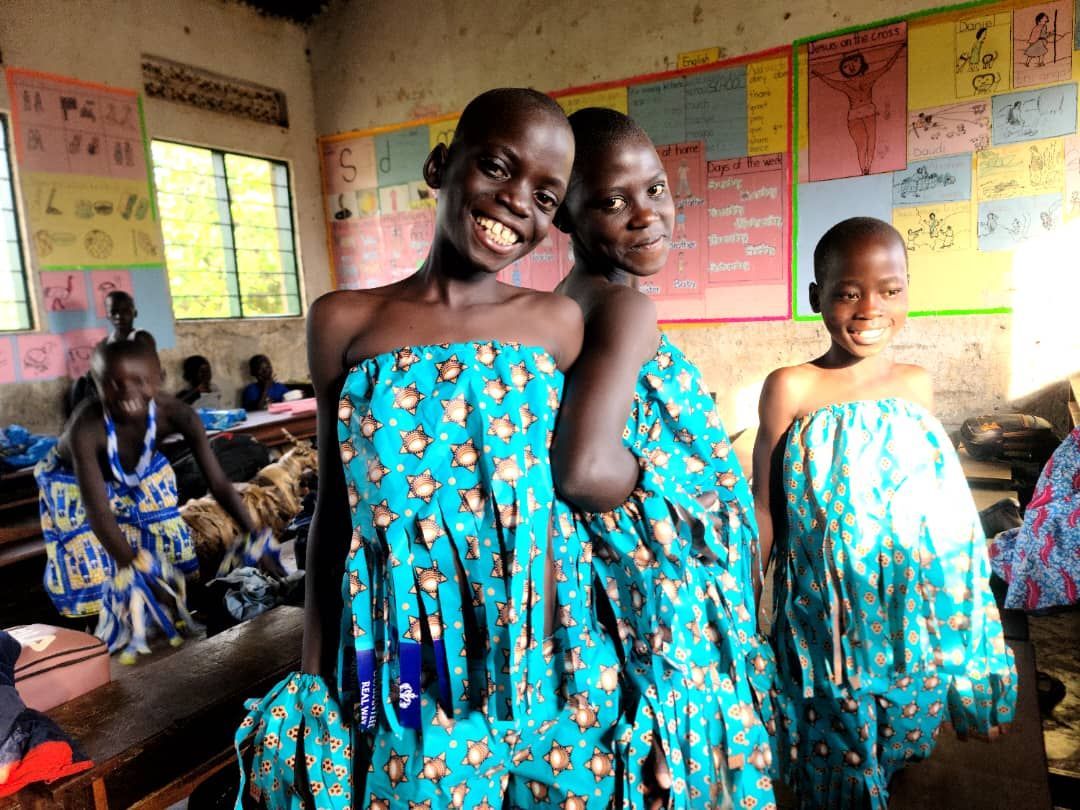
x,y
873,76
592,467
184,419
776,411
833,83
87,443
331,526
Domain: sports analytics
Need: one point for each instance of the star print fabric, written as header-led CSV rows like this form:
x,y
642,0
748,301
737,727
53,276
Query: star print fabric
x,y
468,680
679,580
885,623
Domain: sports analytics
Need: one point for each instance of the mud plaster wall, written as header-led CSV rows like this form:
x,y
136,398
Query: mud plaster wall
x,y
388,61
101,41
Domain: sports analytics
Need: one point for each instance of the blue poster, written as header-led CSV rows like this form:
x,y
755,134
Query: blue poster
x,y
822,205
716,111
1005,224
400,155
1031,115
946,179
660,109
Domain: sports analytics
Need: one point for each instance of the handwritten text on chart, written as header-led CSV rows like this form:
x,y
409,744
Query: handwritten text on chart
x,y
746,212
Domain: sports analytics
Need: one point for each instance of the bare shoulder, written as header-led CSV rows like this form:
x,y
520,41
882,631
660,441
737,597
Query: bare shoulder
x,y
335,309
557,319
917,383
173,413
785,391
85,427
626,304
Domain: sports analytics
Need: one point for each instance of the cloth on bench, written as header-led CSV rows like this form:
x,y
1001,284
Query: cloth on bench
x,y
32,747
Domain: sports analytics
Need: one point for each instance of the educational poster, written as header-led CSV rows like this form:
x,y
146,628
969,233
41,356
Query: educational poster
x,y
747,221
943,179
40,357
103,282
63,290
1021,170
85,181
983,51
90,209
1072,177
1003,224
767,106
942,229
380,213
952,129
1042,43
613,98
7,360
1032,114
683,275
858,103
79,348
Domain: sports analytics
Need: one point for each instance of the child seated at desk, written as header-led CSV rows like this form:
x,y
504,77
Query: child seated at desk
x,y
265,389
200,391
115,541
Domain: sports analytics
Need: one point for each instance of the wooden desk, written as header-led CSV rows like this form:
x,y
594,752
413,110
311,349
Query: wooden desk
x,y
161,729
269,428
20,524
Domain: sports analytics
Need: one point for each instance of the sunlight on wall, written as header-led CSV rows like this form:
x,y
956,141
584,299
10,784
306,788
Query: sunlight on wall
x,y
1046,316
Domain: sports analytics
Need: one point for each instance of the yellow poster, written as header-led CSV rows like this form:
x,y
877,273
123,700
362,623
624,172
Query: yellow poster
x,y
1020,170
1072,177
767,106
930,58
935,229
963,281
84,221
982,59
442,132
614,97
705,56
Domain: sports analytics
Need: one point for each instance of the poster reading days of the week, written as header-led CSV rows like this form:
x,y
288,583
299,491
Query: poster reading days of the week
x,y
747,213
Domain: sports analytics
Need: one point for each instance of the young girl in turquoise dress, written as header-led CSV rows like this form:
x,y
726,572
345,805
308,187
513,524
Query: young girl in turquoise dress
x,y
639,443
885,626
115,541
449,657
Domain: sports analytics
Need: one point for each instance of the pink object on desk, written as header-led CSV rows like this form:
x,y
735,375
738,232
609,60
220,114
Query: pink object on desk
x,y
296,406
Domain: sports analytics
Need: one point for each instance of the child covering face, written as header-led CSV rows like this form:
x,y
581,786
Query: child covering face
x,y
885,625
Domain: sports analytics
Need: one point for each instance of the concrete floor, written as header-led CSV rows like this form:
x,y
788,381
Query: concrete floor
x,y
1057,653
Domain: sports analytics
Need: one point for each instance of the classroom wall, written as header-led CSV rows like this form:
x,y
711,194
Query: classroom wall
x,y
101,41
388,61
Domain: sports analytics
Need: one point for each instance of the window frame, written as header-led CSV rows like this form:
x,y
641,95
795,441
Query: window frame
x,y
219,153
30,291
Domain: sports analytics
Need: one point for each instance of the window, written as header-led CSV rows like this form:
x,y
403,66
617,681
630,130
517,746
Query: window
x,y
227,223
14,301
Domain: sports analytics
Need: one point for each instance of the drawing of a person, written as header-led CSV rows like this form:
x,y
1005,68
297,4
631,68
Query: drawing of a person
x,y
857,83
1037,39
1015,114
932,226
947,238
683,187
974,58
990,226
1037,166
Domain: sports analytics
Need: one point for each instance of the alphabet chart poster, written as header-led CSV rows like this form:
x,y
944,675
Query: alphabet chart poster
x,y
722,131
91,217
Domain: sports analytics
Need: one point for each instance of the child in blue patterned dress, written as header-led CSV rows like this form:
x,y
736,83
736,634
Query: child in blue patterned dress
x,y
885,626
449,657
113,533
639,441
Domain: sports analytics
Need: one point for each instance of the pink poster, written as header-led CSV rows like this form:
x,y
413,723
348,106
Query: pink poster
x,y
40,357
1042,43
857,101
548,262
72,127
64,290
683,275
7,360
103,282
79,347
519,273
747,208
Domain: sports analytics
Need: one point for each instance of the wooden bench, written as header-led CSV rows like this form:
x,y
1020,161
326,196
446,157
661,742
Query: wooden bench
x,y
162,728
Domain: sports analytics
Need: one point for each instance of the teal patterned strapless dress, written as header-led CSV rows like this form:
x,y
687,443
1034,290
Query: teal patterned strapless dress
x,y
885,623
471,673
679,581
